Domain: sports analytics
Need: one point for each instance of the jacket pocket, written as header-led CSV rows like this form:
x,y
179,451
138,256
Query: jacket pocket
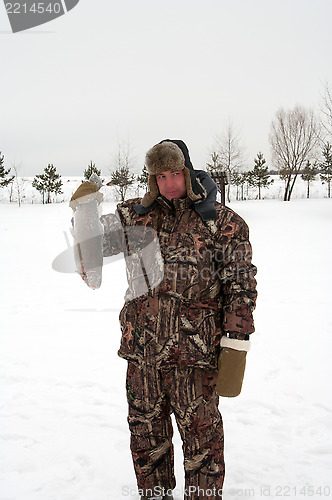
x,y
128,323
198,331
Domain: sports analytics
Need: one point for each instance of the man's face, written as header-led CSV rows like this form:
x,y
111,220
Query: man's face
x,y
172,184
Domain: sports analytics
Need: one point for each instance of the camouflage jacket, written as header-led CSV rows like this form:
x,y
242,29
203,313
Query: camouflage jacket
x,y
190,281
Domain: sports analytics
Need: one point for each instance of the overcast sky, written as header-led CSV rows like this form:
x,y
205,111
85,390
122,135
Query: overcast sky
x,y
145,70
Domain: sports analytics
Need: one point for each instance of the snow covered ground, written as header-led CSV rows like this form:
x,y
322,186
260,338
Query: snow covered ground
x,y
63,433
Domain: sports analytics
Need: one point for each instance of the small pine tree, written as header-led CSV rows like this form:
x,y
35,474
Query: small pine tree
x,y
238,180
246,177
326,167
91,169
3,173
309,173
122,179
259,175
48,182
143,178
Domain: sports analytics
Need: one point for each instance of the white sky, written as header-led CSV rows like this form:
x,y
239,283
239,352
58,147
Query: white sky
x,y
146,70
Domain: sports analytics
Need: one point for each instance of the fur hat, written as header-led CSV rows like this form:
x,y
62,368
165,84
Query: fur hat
x,y
172,155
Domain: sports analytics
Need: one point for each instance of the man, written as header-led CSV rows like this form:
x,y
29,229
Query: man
x,y
173,334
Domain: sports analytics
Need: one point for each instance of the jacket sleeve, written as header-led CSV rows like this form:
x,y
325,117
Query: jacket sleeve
x,y
237,274
113,240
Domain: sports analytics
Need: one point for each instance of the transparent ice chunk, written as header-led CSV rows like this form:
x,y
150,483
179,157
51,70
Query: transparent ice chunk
x,y
88,248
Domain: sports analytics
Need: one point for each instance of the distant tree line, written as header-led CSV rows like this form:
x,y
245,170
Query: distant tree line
x,y
300,147
259,177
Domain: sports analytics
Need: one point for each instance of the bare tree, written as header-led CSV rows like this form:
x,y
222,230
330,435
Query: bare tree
x,y
17,185
228,155
294,136
326,108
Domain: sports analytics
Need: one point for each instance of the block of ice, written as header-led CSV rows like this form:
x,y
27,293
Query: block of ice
x,y
88,248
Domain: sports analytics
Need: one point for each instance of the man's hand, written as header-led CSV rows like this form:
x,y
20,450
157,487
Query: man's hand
x,y
86,192
231,366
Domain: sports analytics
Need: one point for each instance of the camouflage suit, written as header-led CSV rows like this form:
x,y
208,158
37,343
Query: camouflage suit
x,y
171,334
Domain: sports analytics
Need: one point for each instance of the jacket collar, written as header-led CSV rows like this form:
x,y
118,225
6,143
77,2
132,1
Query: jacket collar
x,y
175,204
205,207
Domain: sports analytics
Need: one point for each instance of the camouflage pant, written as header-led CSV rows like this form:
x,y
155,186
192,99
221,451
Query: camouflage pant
x,y
153,394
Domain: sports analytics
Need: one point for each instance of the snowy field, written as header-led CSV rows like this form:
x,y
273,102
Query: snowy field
x,y
63,433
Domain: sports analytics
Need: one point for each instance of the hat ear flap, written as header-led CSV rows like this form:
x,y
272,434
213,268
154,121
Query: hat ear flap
x,y
153,192
190,192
